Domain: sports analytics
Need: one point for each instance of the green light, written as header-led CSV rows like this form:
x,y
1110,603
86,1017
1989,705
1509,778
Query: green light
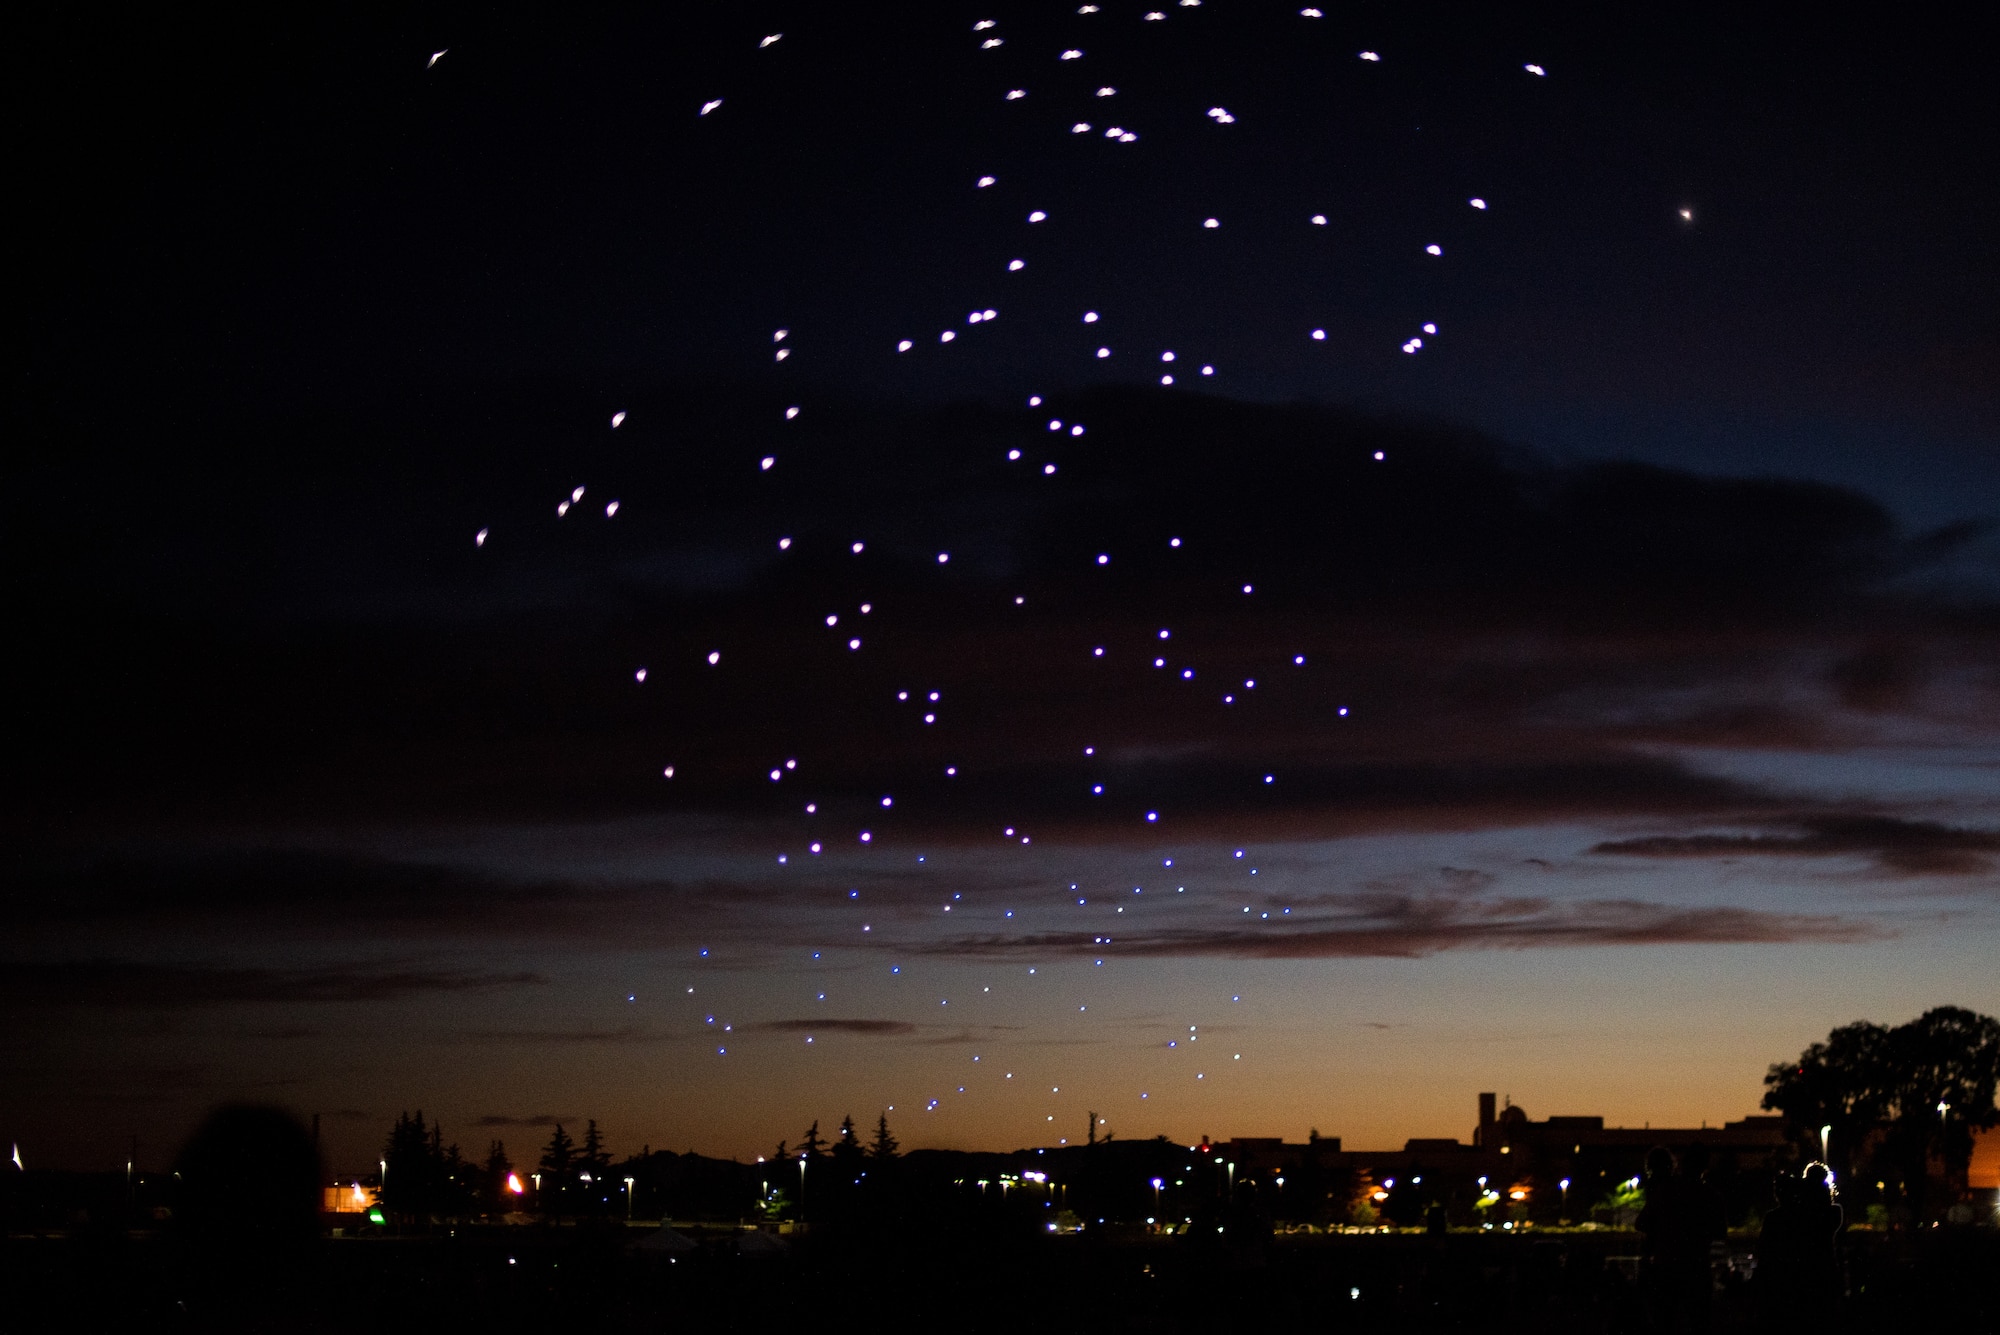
x,y
375,1216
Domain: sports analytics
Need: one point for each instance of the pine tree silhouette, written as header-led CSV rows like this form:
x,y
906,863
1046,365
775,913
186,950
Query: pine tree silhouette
x,y
558,1167
885,1145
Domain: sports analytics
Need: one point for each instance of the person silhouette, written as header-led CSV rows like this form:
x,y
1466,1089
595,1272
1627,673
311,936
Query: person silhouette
x,y
246,1224
1798,1265
1681,1217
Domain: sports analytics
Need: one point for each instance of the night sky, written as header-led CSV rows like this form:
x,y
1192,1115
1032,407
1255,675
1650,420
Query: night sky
x,y
1461,557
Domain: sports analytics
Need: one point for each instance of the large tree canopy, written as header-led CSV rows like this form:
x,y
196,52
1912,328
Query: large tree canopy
x,y
1926,1084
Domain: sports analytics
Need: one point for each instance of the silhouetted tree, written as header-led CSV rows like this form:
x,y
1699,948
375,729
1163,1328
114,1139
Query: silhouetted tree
x,y
594,1159
810,1145
1929,1084
847,1149
410,1184
558,1168
498,1169
1843,1083
884,1146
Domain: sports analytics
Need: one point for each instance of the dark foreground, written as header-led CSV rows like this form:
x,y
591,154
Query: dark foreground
x,y
539,1280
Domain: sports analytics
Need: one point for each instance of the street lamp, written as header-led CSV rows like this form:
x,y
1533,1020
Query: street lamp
x,y
1157,1184
802,1188
628,1198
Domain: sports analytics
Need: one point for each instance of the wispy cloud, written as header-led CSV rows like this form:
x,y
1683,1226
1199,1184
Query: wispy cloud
x,y
131,983
869,1028
1378,927
1904,847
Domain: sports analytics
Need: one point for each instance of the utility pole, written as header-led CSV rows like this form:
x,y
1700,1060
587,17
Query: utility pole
x,y
1093,1130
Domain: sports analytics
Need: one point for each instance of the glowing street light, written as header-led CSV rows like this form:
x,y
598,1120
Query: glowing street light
x,y
628,1198
1157,1184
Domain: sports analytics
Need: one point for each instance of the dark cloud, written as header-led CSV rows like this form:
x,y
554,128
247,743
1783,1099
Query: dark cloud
x,y
1905,847
566,1037
1376,927
871,1028
128,983
1504,629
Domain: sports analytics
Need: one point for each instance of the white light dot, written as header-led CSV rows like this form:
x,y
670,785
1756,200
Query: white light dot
x,y
1370,56
943,557
1319,335
1534,69
1081,127
1477,203
947,336
1103,352
1173,542
854,644
857,549
1319,220
1015,266
790,413
479,538
1016,94
668,772
904,346
985,181
1433,250
1037,216
707,107
1076,430
1210,222
714,658
1048,470
1166,380
1208,370
617,420
1430,329
766,462
1071,54
784,544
